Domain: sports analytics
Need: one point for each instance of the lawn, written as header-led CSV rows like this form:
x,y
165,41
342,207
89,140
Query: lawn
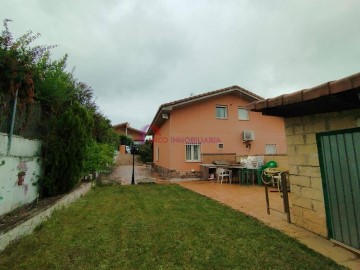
x,y
156,227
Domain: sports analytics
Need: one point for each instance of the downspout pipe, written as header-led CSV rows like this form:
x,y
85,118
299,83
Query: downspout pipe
x,y
12,123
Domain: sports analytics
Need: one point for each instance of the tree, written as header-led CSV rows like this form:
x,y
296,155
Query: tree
x,y
125,140
65,150
103,131
18,63
72,128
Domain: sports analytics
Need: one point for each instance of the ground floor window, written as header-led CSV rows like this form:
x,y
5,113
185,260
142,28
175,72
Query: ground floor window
x,y
192,152
270,149
157,154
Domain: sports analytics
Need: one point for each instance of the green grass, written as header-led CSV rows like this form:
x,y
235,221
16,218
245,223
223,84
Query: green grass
x,y
156,227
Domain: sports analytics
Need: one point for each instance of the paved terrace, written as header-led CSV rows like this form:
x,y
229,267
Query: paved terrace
x,y
251,201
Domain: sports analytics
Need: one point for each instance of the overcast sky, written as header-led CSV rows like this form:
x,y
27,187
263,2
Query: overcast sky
x,y
137,54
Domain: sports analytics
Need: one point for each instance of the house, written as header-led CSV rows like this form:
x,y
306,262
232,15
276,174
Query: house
x,y
125,129
323,141
212,126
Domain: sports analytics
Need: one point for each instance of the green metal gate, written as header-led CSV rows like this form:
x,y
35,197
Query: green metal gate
x,y
339,154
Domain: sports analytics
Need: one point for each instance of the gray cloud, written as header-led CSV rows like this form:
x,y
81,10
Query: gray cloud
x,y
139,54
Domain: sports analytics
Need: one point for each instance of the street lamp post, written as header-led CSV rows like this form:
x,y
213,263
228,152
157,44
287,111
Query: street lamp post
x,y
133,170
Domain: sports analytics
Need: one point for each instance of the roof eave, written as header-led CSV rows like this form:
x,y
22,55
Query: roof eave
x,y
343,94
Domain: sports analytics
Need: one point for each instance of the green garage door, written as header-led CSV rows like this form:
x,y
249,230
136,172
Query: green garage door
x,y
339,154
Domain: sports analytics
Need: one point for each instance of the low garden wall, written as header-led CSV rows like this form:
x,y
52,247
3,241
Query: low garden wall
x,y
28,226
170,174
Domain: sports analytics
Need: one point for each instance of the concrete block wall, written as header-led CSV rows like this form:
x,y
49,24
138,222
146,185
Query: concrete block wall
x,y
24,156
307,197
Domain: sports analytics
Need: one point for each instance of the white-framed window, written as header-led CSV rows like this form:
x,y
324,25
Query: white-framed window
x,y
157,151
192,152
221,112
220,146
243,114
270,149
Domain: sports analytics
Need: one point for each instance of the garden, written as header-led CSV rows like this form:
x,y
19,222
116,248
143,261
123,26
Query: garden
x,y
153,226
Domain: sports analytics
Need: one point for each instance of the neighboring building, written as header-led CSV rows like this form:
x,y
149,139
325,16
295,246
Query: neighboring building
x,y
212,126
125,129
323,141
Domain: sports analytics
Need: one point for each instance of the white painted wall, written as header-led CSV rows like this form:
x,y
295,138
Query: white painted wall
x,y
24,156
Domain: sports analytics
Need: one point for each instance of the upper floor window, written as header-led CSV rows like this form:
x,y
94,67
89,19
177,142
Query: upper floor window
x,y
192,152
221,112
243,114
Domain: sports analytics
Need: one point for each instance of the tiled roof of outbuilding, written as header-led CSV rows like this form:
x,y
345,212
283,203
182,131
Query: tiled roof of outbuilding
x,y
342,94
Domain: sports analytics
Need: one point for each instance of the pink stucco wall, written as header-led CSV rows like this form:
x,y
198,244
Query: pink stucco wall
x,y
162,146
199,120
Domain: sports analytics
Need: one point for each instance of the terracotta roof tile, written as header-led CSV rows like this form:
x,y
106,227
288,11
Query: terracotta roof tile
x,y
355,80
234,87
347,87
316,92
292,98
339,85
261,104
277,101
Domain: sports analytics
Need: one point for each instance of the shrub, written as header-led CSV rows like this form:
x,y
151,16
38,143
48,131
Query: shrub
x,y
64,150
99,157
145,152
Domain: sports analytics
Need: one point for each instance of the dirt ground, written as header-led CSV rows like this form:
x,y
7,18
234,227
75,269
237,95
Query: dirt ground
x,y
9,220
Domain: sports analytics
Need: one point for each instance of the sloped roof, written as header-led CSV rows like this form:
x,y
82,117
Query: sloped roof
x,y
212,94
127,125
167,107
339,95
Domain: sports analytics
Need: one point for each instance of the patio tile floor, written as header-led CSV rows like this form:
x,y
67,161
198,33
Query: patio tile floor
x,y
251,201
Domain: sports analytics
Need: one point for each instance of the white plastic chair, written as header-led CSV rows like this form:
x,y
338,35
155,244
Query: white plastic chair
x,y
223,173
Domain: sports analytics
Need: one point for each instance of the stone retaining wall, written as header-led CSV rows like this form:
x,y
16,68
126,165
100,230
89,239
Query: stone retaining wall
x,y
169,174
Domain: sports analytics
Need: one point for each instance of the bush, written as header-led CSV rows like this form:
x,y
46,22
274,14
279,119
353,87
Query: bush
x,y
99,157
145,152
64,150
